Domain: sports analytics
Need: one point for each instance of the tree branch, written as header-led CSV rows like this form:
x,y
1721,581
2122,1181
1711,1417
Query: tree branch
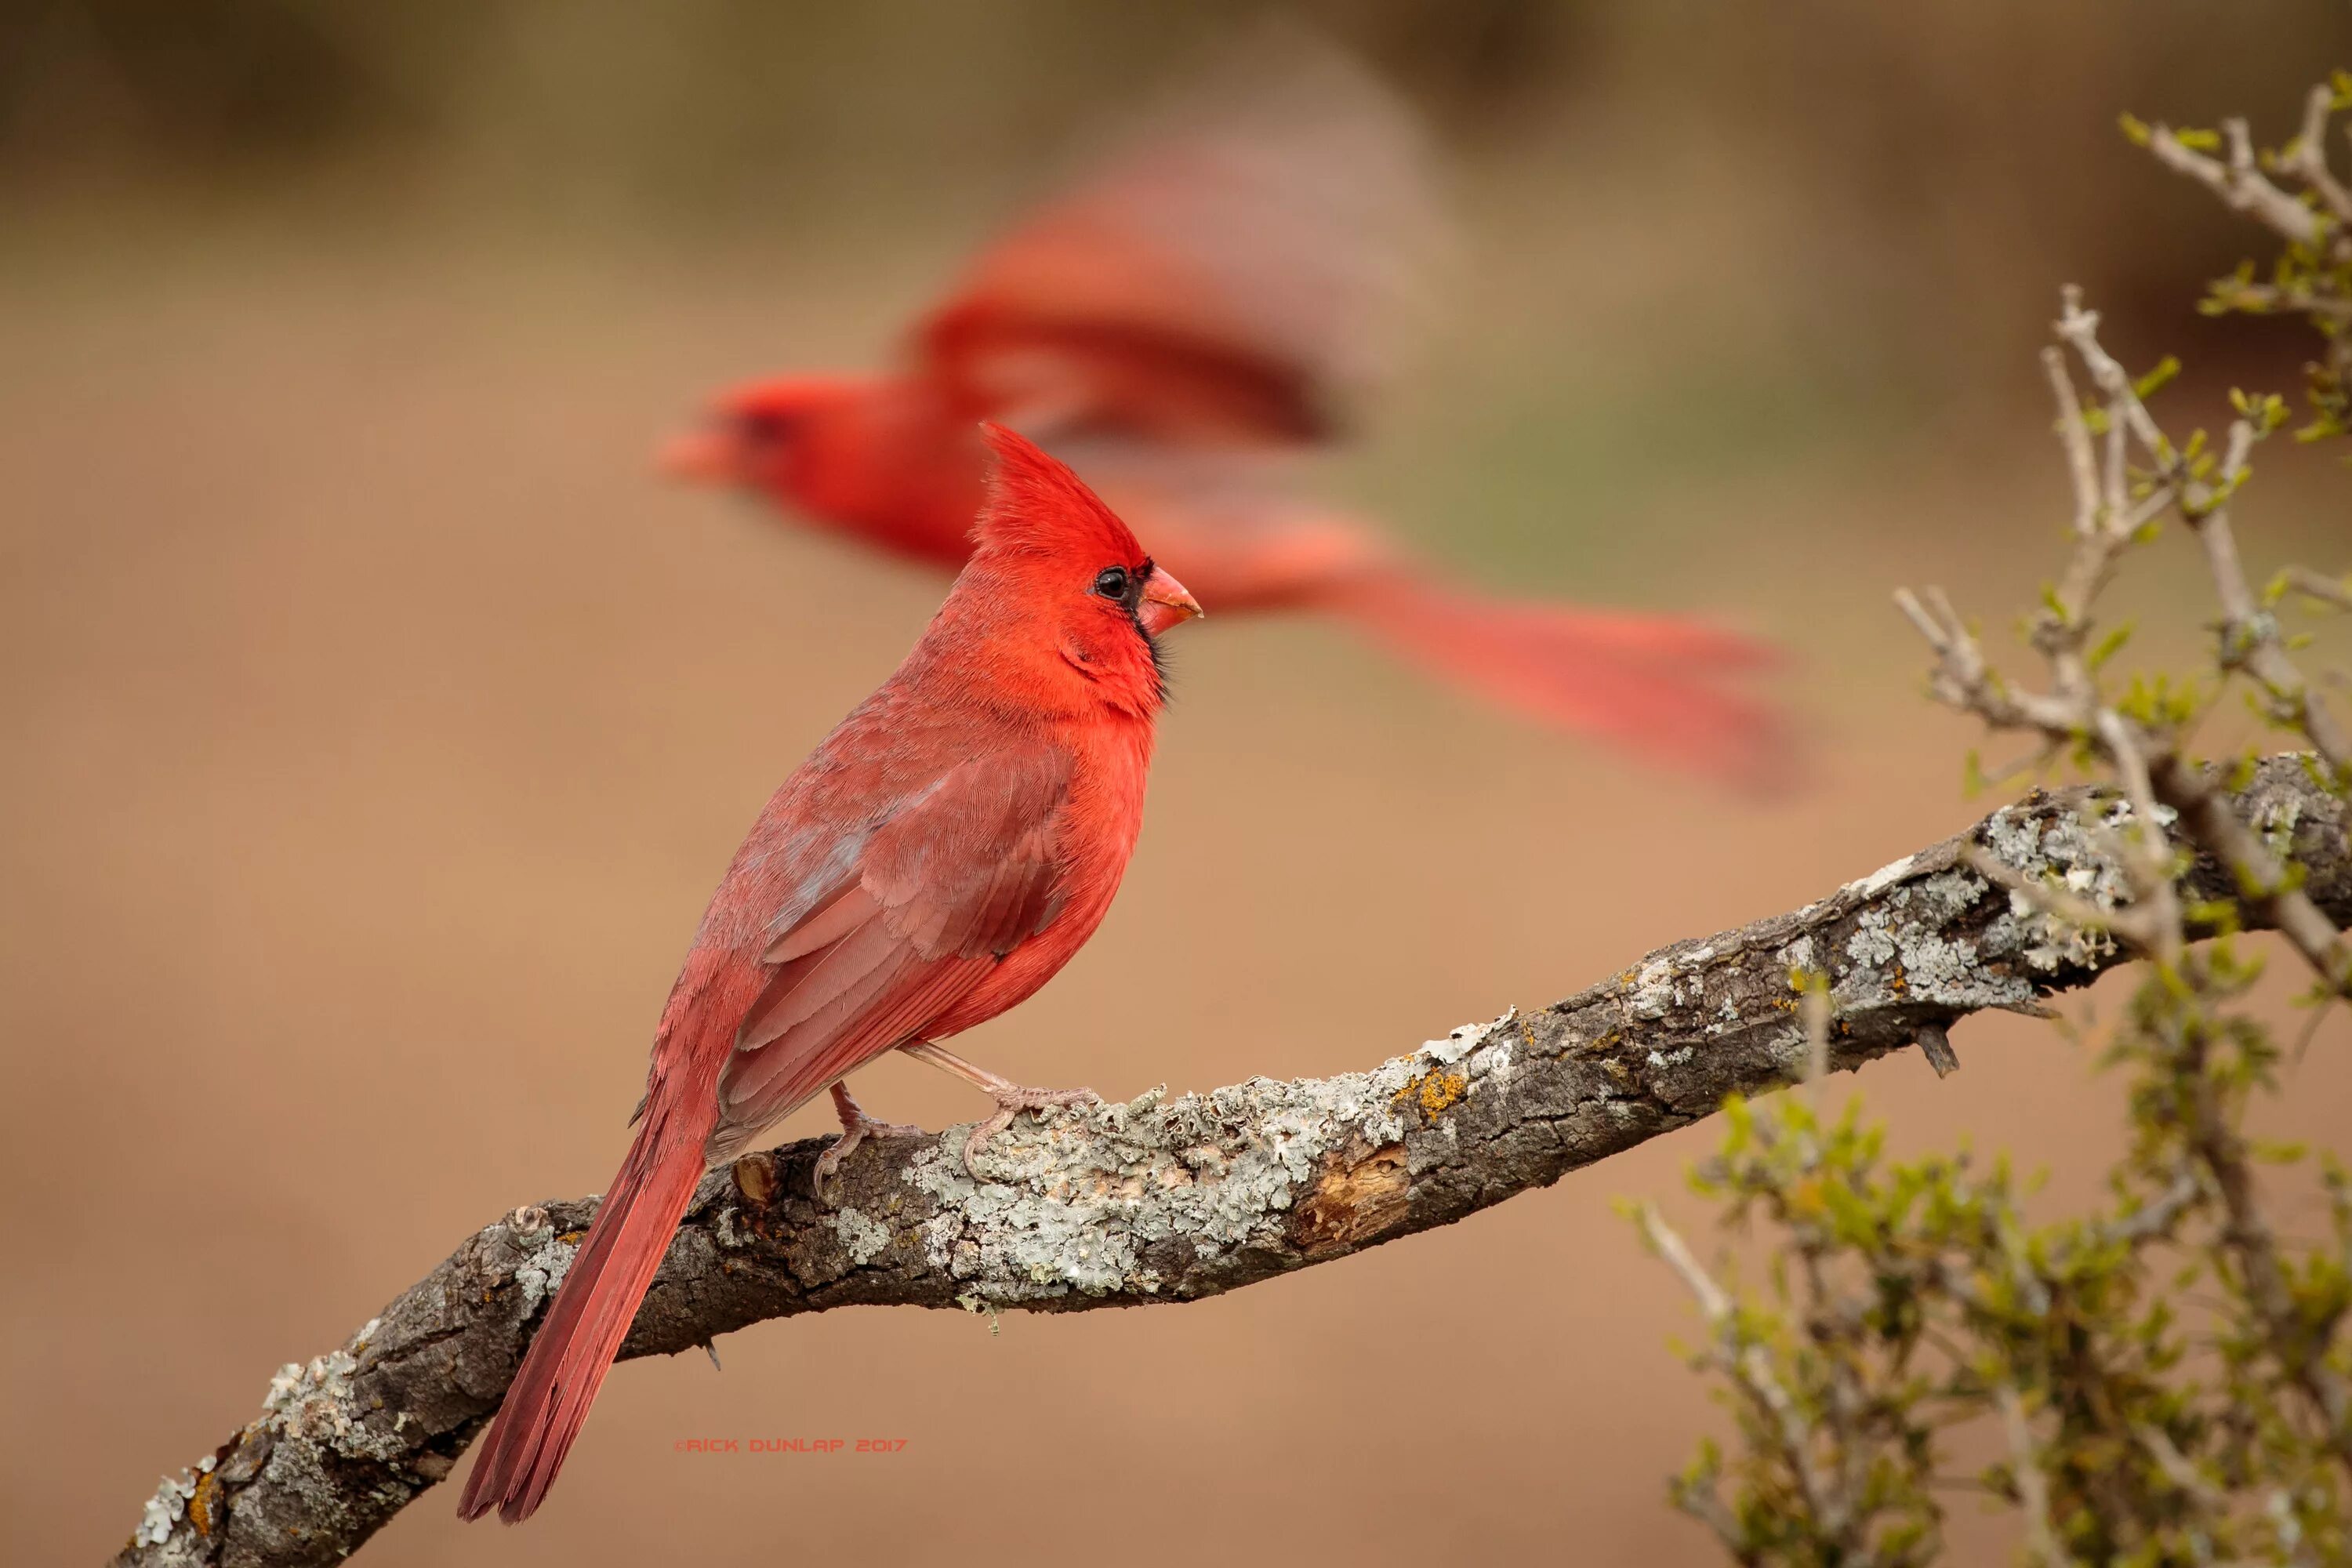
x,y
2241,183
1172,1199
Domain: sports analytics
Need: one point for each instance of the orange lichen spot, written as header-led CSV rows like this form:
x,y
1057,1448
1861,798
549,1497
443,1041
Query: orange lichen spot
x,y
202,1503
1434,1090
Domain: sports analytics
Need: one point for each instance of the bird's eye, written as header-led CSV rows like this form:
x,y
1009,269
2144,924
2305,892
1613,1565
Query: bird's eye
x,y
760,426
1112,583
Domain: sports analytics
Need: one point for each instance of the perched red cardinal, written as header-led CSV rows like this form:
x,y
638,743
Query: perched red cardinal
x,y
940,856
1181,327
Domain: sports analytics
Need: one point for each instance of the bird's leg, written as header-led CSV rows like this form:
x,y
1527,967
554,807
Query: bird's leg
x,y
1012,1098
856,1127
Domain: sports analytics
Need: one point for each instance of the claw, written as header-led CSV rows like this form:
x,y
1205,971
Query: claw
x,y
856,1127
1011,1099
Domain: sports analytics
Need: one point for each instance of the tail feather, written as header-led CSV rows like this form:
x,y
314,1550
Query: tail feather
x,y
1674,641
548,1402
1649,683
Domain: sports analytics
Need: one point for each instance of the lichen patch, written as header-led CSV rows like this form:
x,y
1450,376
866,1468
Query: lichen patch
x,y
1072,1200
863,1237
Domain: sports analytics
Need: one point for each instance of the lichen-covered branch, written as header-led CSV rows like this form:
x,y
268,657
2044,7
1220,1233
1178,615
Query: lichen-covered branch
x,y
2143,736
2142,476
1172,1198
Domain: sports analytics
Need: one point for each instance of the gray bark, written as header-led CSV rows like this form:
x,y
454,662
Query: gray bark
x,y
1173,1198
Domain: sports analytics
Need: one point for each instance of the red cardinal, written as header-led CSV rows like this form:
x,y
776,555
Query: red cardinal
x,y
1181,327
941,855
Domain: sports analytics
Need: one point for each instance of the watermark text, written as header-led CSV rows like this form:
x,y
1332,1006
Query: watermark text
x,y
790,1445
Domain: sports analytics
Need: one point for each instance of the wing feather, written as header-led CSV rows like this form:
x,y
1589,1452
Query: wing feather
x,y
936,895
1219,277
849,908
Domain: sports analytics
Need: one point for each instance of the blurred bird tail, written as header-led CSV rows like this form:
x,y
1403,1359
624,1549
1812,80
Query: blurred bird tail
x,y
548,1401
1652,684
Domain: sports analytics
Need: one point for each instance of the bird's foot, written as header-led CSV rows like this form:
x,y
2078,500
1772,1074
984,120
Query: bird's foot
x,y
856,1127
1011,1099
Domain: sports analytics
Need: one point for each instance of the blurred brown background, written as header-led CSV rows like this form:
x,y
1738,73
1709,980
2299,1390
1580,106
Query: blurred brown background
x,y
375,726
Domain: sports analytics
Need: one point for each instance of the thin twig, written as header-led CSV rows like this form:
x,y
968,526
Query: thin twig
x,y
2032,1490
2241,186
2308,157
2334,591
1750,1370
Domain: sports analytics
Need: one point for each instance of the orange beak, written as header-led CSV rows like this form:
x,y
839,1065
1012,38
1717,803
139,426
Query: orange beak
x,y
1165,603
698,458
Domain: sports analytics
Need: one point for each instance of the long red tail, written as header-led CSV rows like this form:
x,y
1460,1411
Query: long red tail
x,y
549,1399
1647,682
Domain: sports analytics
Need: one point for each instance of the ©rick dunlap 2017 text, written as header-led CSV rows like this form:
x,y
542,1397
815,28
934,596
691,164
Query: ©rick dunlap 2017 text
x,y
790,1445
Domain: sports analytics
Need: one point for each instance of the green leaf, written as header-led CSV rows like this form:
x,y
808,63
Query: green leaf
x,y
2109,645
2154,382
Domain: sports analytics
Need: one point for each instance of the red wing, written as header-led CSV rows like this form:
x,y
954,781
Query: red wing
x,y
937,893
1221,278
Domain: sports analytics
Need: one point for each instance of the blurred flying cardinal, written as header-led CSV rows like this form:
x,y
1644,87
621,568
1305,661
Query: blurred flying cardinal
x,y
1181,327
937,859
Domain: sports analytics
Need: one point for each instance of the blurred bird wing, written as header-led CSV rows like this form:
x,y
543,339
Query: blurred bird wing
x,y
1233,525
1223,275
936,894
